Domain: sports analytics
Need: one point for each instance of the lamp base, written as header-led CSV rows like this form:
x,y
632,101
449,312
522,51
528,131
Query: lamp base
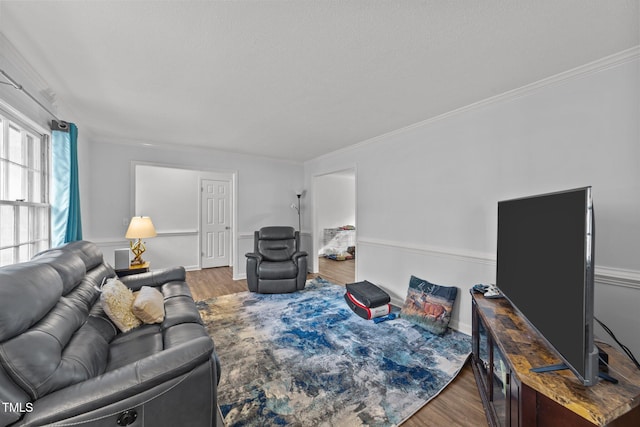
x,y
138,249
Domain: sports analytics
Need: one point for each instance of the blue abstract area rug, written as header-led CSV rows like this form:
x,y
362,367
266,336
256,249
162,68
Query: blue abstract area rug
x,y
305,359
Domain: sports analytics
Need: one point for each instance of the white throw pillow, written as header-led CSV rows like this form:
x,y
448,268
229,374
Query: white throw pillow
x,y
148,305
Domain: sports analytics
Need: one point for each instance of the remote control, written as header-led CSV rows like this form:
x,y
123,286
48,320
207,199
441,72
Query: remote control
x,y
389,316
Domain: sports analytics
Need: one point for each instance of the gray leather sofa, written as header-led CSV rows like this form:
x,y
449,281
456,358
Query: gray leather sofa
x,y
63,362
276,265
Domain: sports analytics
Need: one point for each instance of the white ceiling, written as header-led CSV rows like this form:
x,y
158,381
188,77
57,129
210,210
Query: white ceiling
x,y
297,79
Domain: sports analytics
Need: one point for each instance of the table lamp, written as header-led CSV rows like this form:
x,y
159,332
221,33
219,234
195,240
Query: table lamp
x,y
140,228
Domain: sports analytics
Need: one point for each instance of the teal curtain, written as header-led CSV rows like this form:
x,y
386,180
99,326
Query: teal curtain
x,y
66,224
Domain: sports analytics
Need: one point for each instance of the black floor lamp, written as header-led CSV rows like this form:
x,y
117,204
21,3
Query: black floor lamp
x,y
297,208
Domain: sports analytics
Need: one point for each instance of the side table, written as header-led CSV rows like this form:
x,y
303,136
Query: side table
x,y
133,269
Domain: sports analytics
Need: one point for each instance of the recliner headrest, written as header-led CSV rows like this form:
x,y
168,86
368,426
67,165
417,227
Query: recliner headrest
x,y
276,233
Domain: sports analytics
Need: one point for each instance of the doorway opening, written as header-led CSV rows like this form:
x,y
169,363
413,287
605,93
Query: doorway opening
x,y
335,226
194,212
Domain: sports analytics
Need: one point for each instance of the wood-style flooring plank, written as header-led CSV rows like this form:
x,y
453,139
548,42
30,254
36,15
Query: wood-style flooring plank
x,y
338,272
214,282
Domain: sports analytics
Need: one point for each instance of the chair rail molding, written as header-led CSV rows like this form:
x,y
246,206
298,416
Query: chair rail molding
x,y
604,275
617,277
458,254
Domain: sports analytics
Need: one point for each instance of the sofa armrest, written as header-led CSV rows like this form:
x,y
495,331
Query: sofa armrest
x,y
154,278
121,383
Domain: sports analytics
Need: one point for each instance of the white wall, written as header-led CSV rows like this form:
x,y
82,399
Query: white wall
x,y
427,195
266,189
165,194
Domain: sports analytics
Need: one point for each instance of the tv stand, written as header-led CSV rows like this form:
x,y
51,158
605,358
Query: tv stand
x,y
505,348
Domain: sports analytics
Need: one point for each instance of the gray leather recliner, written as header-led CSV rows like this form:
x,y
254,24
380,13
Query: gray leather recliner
x,y
63,362
276,265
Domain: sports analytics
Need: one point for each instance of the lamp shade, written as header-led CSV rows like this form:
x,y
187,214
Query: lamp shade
x,y
140,227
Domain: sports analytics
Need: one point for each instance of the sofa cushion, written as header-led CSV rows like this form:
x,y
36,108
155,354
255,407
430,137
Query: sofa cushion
x,y
180,310
183,333
148,305
277,270
69,266
27,293
134,345
87,251
63,348
117,301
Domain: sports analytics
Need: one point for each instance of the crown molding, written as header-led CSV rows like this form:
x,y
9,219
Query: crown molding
x,y
593,67
26,76
190,148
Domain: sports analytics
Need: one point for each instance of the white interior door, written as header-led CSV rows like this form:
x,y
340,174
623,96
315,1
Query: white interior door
x,y
215,227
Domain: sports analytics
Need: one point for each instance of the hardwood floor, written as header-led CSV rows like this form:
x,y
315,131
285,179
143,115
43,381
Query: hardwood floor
x,y
458,404
338,272
214,282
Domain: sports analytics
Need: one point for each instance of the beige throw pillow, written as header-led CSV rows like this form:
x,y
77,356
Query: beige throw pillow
x,y
117,300
148,305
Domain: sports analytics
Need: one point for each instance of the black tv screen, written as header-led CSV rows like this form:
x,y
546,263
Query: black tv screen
x,y
545,269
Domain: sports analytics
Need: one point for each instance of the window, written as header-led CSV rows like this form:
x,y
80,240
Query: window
x,y
24,191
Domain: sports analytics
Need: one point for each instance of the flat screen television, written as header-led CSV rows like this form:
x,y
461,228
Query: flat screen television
x,y
545,266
